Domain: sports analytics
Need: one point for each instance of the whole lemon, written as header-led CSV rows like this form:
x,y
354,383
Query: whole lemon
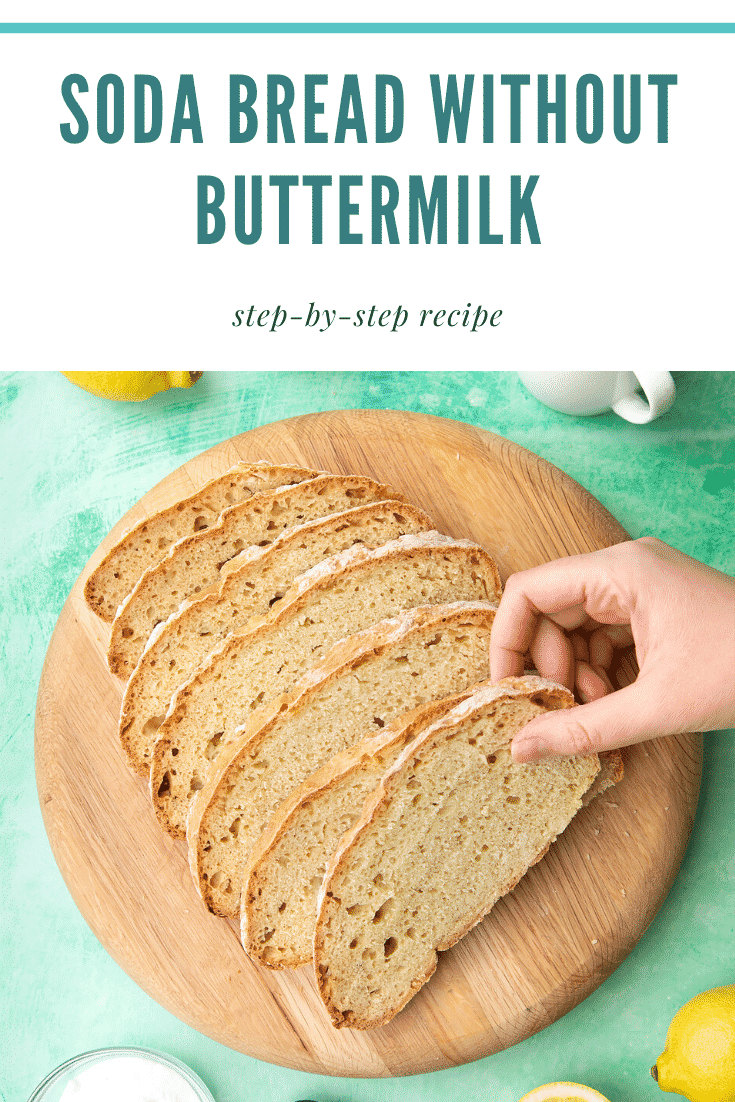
x,y
130,386
698,1060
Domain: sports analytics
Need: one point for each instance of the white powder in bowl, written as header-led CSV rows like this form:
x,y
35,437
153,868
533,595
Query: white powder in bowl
x,y
128,1079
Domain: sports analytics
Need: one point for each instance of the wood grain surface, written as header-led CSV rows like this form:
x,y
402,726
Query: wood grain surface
x,y
541,950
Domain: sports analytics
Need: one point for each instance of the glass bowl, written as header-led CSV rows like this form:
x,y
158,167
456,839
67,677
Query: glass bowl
x,y
53,1086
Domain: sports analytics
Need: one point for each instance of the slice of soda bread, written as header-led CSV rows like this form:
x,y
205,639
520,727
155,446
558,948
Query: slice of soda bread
x,y
340,596
177,646
147,543
286,866
193,564
452,827
362,684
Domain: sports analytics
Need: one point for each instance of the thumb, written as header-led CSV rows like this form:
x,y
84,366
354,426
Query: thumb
x,y
621,718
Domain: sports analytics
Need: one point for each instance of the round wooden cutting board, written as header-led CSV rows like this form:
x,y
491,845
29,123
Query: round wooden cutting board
x,y
543,948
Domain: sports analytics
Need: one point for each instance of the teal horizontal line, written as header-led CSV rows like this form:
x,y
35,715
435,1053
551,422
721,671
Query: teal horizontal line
x,y
367,28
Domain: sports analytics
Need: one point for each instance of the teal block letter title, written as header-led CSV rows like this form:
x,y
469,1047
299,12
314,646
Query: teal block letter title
x,y
377,209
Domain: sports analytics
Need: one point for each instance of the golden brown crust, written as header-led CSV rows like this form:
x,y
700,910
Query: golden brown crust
x,y
340,658
126,638
476,706
137,730
342,1020
343,657
358,560
400,732
612,771
491,693
402,729
181,518
358,646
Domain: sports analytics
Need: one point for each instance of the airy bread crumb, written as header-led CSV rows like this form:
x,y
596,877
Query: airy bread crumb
x,y
341,596
193,564
364,683
287,864
452,827
148,542
260,579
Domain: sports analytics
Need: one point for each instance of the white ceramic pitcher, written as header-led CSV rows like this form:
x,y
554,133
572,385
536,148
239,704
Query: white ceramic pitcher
x,y
586,393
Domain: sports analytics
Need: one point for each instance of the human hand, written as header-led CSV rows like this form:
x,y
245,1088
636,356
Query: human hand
x,y
679,613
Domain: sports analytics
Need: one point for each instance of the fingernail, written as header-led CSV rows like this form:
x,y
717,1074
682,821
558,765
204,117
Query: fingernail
x,y
525,750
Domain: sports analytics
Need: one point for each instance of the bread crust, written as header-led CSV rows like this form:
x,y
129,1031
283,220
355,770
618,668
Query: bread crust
x,y
344,657
349,566
227,610
128,638
488,696
104,591
612,771
348,763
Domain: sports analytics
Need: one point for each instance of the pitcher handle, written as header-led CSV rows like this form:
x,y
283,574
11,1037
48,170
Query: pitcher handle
x,y
659,390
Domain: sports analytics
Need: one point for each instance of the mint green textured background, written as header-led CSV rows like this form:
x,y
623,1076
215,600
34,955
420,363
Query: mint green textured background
x,y
72,464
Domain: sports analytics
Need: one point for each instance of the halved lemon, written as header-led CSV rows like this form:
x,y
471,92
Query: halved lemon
x,y
564,1092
